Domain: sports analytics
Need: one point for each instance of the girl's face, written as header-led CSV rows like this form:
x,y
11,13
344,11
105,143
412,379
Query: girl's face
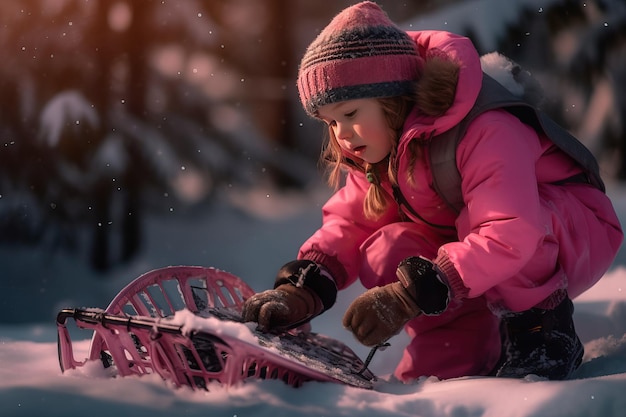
x,y
360,128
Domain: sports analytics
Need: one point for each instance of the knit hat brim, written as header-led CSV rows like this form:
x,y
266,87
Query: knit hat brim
x,y
360,54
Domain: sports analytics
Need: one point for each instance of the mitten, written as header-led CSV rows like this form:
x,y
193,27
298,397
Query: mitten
x,y
282,308
381,312
302,291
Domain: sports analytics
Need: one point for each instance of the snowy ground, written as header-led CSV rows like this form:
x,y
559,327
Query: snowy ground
x,y
31,383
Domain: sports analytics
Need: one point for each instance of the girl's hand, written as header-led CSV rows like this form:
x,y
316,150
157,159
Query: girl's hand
x,y
282,308
380,313
302,291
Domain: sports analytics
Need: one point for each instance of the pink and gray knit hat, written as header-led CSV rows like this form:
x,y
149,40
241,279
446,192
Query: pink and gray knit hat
x,y
360,54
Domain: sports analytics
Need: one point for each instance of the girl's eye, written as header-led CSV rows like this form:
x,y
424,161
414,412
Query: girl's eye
x,y
351,114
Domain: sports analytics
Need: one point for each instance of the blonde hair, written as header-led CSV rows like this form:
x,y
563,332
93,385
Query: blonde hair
x,y
377,199
434,94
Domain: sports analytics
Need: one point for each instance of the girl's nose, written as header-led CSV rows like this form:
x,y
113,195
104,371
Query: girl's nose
x,y
342,131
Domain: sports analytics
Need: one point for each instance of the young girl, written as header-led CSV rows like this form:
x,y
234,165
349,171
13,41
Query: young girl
x,y
486,291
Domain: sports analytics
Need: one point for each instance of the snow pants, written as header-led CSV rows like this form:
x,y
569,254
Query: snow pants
x,y
464,340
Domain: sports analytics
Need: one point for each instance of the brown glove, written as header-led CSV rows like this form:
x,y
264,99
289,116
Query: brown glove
x,y
282,308
302,290
380,313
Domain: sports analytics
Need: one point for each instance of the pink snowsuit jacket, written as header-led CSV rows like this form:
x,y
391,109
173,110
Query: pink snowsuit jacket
x,y
518,240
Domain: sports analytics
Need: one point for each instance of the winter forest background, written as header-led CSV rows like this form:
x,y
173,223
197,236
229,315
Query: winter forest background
x,y
118,116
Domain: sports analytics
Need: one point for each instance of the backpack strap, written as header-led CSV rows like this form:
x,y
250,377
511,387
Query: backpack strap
x,y
442,148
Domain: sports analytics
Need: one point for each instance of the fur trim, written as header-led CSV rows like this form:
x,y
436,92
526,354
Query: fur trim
x,y
436,88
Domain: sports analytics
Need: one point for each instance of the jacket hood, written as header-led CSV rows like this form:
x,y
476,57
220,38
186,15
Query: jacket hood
x,y
435,47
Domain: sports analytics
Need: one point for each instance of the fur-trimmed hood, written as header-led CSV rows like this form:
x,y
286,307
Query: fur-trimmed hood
x,y
463,71
451,81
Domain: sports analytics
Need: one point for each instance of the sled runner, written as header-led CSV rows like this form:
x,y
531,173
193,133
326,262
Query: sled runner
x,y
184,324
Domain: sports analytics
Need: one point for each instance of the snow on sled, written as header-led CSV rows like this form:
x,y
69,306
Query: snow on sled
x,y
184,324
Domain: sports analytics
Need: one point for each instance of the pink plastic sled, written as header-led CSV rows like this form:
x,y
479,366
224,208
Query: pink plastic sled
x,y
134,336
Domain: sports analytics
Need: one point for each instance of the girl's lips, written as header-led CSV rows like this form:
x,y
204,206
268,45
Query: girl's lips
x,y
358,150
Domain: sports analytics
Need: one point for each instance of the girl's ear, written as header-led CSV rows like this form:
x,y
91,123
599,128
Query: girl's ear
x,y
437,86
